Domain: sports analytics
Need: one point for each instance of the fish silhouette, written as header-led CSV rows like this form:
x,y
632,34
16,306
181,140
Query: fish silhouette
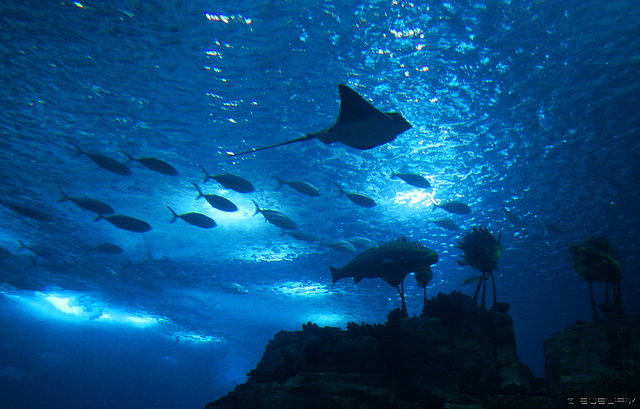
x,y
305,188
28,211
453,207
126,222
104,162
359,125
194,219
229,181
357,198
107,248
217,202
154,164
413,179
276,218
86,203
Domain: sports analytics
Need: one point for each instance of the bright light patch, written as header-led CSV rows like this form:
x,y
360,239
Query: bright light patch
x,y
123,318
78,4
62,304
300,289
331,320
413,197
140,321
81,309
197,338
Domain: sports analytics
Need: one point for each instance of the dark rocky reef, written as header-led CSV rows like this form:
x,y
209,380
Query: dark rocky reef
x,y
457,354
599,361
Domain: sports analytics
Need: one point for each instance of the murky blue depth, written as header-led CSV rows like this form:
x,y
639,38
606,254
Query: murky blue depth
x,y
532,104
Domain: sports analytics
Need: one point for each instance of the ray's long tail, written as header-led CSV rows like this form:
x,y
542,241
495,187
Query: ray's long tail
x,y
302,138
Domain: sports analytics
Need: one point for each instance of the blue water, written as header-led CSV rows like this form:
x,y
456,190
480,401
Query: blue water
x,y
532,103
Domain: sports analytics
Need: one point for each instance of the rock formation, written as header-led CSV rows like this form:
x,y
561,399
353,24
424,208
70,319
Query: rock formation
x,y
456,353
595,361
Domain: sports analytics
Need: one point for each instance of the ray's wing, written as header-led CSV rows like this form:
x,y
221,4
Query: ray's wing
x,y
353,107
360,125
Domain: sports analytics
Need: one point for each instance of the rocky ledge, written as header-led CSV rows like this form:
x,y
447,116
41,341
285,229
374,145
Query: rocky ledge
x,y
455,355
595,363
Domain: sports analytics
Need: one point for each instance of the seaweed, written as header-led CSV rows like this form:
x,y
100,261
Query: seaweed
x,y
595,259
481,251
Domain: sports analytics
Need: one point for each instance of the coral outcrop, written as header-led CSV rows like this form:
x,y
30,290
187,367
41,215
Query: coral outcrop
x,y
592,361
456,353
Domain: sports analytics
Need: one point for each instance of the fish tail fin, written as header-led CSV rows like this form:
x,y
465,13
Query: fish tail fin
x,y
280,182
302,138
257,208
340,188
335,274
22,245
393,174
64,195
199,191
434,203
129,157
207,176
98,217
283,233
357,279
174,215
78,151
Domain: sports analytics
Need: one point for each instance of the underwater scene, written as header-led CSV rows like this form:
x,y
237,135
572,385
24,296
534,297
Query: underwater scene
x,y
181,180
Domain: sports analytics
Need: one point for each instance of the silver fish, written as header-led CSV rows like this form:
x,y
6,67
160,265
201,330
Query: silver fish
x,y
303,187
413,179
357,198
276,218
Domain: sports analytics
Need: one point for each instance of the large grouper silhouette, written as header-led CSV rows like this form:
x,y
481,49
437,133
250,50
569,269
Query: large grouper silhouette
x,y
359,125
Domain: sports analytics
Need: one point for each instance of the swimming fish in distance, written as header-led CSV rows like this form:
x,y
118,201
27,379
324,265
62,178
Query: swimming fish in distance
x,y
229,181
104,162
276,218
412,178
87,203
107,248
454,207
357,198
303,187
39,250
359,125
339,245
445,223
194,219
155,165
126,222
217,202
28,211
511,215
552,228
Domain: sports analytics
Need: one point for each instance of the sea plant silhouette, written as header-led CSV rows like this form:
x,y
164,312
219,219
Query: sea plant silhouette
x,y
596,260
481,251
